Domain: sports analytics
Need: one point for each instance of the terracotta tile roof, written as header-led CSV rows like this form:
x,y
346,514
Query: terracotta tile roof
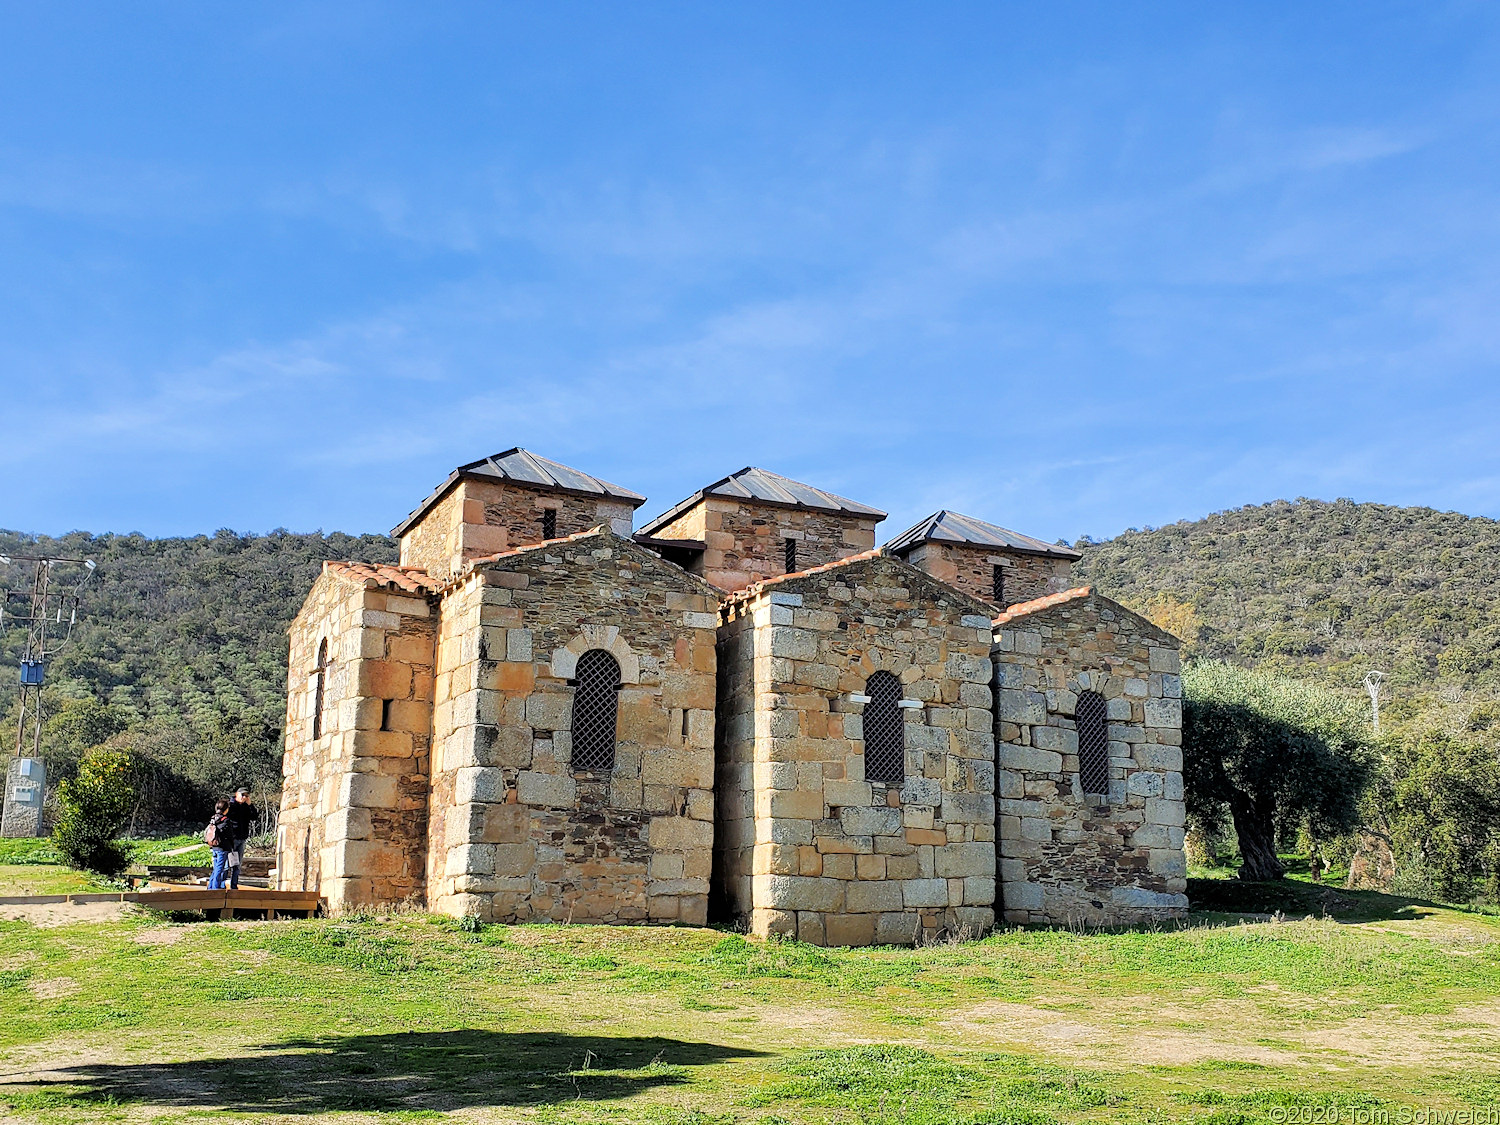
x,y
1036,605
414,580
756,587
474,564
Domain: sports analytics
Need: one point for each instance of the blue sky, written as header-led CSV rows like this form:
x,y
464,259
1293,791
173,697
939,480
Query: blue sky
x,y
1071,268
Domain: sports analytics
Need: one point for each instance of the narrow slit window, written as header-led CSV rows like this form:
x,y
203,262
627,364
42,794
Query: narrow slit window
x,y
595,708
320,673
885,730
1092,714
789,551
549,523
997,586
385,713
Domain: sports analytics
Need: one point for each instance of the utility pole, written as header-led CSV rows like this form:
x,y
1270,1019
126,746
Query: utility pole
x,y
1372,685
43,611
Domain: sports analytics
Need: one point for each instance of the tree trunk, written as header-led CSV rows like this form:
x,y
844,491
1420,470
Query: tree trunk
x,y
1254,826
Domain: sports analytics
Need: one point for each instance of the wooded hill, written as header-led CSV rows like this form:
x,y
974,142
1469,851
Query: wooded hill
x,y
1331,589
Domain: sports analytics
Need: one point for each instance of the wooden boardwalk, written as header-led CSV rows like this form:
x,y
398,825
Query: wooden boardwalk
x,y
246,899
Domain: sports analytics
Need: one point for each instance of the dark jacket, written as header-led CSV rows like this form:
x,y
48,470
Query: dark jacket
x,y
240,816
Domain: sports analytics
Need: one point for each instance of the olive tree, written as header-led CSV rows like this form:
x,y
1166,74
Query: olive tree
x,y
1272,752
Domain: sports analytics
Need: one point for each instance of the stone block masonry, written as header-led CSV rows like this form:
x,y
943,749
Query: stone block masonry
x,y
855,752
809,846
358,738
1067,856
518,833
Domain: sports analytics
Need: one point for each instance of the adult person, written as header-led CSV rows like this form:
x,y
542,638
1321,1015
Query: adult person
x,y
241,814
219,836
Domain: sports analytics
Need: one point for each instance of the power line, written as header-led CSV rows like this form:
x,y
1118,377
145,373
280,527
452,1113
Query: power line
x,y
49,601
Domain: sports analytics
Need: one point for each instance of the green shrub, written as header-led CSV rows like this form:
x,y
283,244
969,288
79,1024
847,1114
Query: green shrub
x,y
95,806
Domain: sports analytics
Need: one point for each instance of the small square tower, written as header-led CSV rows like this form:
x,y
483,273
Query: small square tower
x,y
754,525
507,501
1002,567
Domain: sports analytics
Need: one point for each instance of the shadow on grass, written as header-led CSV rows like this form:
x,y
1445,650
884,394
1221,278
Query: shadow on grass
x,y
1297,899
403,1071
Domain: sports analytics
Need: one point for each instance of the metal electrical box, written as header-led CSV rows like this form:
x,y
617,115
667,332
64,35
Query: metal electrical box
x,y
25,790
31,673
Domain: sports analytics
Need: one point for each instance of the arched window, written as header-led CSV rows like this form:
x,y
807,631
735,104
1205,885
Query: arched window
x,y
885,730
594,711
320,673
1093,742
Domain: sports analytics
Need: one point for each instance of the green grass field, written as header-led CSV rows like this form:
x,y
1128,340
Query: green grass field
x,y
1381,1005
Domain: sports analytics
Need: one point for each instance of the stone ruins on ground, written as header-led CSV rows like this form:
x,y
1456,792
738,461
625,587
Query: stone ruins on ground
x,y
744,710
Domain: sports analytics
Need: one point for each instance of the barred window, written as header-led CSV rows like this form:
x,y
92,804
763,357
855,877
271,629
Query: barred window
x,y
997,586
1093,742
885,730
789,552
320,673
549,523
594,711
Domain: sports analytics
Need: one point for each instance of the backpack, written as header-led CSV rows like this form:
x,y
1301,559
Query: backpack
x,y
213,835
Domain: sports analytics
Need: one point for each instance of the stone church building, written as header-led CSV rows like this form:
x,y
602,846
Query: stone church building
x,y
744,710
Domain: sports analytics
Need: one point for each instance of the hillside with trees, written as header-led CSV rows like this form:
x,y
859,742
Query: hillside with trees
x,y
1325,589
182,643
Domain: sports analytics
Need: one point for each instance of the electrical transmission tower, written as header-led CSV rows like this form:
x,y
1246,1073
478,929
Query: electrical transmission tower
x,y
49,611
1372,685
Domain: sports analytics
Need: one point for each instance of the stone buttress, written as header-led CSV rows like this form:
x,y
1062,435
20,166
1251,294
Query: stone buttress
x,y
358,733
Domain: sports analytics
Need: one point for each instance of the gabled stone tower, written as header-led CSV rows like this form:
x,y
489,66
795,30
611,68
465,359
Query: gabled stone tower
x,y
1003,567
755,524
856,756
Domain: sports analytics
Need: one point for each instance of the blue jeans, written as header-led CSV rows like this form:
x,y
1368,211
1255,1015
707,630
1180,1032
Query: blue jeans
x,y
216,877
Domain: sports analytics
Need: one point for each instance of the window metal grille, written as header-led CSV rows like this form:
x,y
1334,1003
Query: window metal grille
x,y
594,711
997,586
789,550
885,730
549,523
319,674
1093,742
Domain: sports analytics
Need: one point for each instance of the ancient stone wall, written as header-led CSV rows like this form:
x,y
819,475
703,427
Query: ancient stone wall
x,y
1067,856
972,569
836,858
526,836
746,541
354,800
480,518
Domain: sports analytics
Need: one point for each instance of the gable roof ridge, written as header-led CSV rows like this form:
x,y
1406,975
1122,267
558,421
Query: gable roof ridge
x,y
756,588
1040,605
1036,605
602,530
